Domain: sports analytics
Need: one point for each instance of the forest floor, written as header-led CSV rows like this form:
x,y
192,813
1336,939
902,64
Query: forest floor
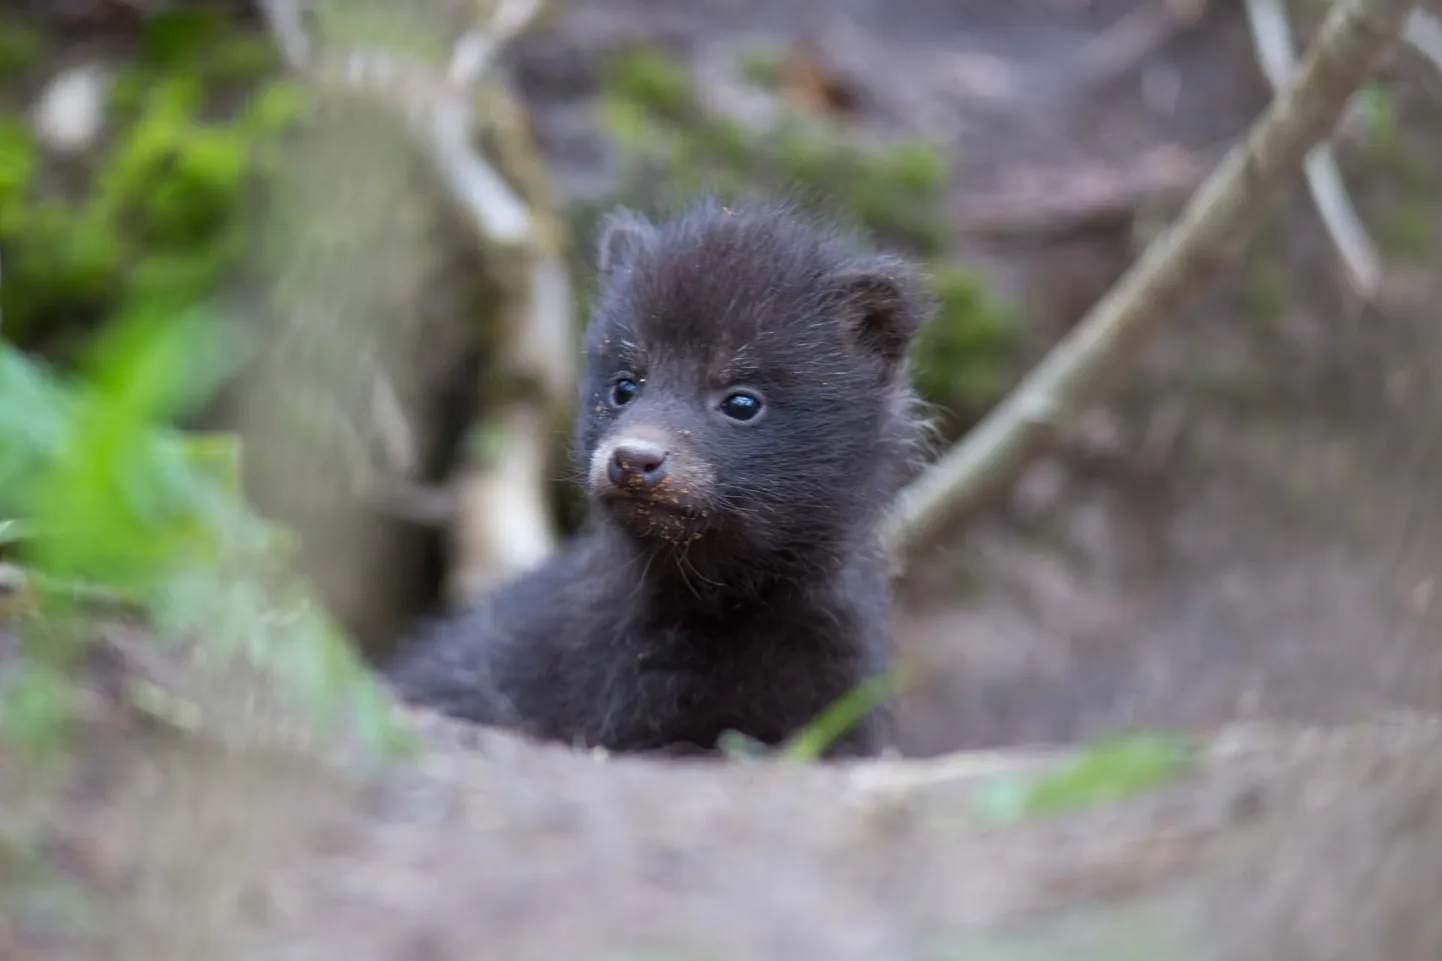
x,y
1244,540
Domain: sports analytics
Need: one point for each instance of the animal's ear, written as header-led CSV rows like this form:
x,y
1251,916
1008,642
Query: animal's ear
x,y
884,303
623,233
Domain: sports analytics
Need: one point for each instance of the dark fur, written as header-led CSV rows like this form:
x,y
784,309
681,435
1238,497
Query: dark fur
x,y
748,590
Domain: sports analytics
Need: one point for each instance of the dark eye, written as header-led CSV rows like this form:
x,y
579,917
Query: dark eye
x,y
624,391
740,405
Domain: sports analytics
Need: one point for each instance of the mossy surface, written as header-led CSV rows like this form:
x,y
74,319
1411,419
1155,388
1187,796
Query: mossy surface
x,y
651,111
22,47
154,216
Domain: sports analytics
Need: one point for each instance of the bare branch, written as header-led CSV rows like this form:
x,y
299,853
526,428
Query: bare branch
x,y
498,213
1272,36
1354,41
416,503
285,22
474,52
1424,34
439,110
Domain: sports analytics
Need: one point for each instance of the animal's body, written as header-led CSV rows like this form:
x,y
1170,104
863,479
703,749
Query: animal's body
x,y
745,418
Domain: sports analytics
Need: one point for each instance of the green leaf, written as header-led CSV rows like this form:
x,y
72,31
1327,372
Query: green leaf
x,y
179,38
1111,771
117,504
741,747
812,741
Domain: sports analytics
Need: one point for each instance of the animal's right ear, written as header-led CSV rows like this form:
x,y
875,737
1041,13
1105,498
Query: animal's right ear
x,y
623,234
884,303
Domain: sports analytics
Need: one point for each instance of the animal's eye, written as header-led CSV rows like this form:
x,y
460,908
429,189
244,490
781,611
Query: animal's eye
x,y
740,405
623,391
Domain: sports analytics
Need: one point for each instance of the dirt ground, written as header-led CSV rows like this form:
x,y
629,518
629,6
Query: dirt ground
x,y
1247,532
1288,843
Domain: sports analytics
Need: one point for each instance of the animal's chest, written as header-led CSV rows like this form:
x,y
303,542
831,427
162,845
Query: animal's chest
x,y
689,689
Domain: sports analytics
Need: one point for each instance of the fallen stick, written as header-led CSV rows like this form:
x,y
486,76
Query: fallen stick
x,y
1272,36
1353,43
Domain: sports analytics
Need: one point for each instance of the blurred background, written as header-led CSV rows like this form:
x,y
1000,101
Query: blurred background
x,y
386,211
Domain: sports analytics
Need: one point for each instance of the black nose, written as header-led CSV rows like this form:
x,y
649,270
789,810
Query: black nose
x,y
637,464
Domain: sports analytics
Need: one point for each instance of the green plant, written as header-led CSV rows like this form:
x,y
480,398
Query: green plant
x,y
649,107
161,223
654,82
966,358
19,163
763,67
1113,770
120,505
21,46
812,741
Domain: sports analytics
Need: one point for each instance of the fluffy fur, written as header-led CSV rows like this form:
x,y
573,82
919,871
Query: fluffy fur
x,y
740,584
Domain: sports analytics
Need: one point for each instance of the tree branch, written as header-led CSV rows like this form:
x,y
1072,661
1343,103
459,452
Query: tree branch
x,y
1272,36
1354,41
496,508
1424,34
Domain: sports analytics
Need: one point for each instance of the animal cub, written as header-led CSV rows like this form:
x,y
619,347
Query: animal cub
x,y
745,418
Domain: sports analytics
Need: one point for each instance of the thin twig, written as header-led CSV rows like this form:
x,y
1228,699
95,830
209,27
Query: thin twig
x,y
1272,35
286,25
1424,34
1353,43
497,212
418,504
474,52
438,110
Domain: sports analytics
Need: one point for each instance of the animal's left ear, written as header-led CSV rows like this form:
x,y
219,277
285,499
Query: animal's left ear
x,y
623,235
884,304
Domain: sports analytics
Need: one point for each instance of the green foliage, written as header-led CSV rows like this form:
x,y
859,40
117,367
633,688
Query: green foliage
x,y
1379,109
1109,772
203,42
654,82
178,38
625,121
762,67
649,107
21,47
121,505
242,61
966,358
1267,292
274,109
1408,229
176,182
160,224
811,742
1410,232
19,164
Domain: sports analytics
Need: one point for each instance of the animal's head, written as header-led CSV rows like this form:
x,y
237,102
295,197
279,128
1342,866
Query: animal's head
x,y
746,389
